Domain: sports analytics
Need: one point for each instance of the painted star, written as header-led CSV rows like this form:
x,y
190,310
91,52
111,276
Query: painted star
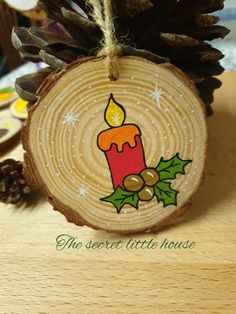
x,y
82,191
156,95
70,119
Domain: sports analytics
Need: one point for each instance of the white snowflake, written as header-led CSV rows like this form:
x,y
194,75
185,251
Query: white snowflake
x,y
82,191
156,95
70,119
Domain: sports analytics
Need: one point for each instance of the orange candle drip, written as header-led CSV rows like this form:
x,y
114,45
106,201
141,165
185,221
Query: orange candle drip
x,y
119,136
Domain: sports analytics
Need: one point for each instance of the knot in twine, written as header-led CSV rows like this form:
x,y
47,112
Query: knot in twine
x,y
111,48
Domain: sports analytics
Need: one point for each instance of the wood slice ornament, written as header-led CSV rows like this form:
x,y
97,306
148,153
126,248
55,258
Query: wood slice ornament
x,y
123,156
22,5
9,130
19,108
7,95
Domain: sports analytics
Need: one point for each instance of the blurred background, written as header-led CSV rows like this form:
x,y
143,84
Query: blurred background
x,y
8,17
228,45
16,13
11,65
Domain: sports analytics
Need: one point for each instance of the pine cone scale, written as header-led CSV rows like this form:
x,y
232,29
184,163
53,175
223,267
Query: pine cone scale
x,y
169,29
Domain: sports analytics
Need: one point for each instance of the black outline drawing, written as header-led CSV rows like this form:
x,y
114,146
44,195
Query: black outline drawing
x,y
167,181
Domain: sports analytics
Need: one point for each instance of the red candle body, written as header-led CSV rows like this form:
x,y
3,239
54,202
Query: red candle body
x,y
130,161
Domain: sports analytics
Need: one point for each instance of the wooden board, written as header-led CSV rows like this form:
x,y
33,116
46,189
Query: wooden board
x,y
36,278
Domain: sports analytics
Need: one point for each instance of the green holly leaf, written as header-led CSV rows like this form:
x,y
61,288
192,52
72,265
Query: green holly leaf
x,y
168,169
7,90
165,193
121,197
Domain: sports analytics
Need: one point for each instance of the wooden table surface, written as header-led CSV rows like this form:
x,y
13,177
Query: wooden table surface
x,y
35,277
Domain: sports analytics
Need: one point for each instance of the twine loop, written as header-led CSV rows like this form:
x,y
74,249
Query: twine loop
x,y
111,48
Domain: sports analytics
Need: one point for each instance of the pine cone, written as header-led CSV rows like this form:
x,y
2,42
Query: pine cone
x,y
13,188
159,30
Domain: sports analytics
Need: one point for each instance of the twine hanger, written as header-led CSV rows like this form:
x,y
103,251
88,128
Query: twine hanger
x,y
111,48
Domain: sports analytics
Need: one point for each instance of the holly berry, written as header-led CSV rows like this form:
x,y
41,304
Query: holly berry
x,y
133,183
146,194
150,176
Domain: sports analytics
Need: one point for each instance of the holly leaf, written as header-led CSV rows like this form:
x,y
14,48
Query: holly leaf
x,y
165,193
168,169
121,197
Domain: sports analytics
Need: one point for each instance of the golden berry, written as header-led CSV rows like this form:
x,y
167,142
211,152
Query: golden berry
x,y
150,176
133,183
146,194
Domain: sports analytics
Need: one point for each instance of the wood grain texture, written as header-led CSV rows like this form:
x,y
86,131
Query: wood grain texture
x,y
35,278
70,153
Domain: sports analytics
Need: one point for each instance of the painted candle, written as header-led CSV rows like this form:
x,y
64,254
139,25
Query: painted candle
x,y
121,143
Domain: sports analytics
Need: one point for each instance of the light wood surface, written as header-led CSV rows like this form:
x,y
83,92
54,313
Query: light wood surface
x,y
36,278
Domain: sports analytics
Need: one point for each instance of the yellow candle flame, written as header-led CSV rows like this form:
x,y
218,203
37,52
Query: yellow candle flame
x,y
114,113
